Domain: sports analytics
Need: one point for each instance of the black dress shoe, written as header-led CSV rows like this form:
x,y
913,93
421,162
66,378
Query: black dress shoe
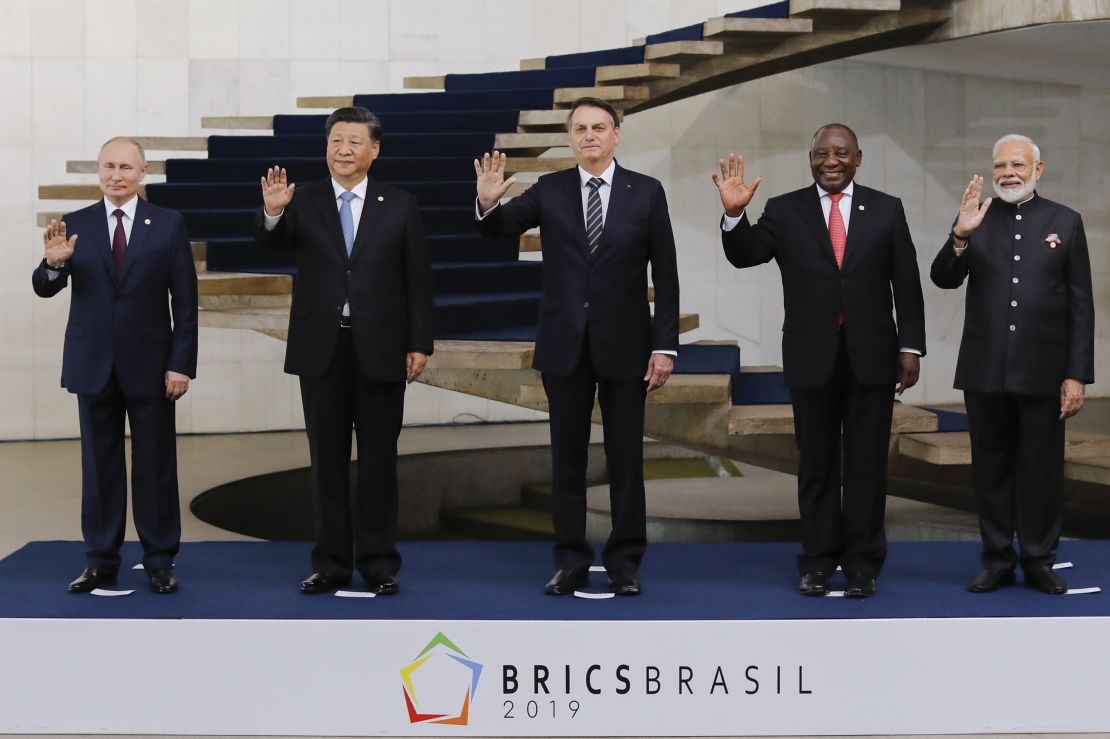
x,y
814,583
565,582
162,580
624,583
319,583
1045,579
91,579
859,586
382,584
988,580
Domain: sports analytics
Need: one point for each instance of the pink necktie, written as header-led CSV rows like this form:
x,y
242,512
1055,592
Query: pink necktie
x,y
119,243
837,234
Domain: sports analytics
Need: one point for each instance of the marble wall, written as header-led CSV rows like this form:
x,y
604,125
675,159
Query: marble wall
x,y
73,73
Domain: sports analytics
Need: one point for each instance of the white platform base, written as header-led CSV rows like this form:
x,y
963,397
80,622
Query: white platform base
x,y
544,678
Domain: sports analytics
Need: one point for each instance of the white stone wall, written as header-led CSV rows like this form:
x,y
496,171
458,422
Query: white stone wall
x,y
73,73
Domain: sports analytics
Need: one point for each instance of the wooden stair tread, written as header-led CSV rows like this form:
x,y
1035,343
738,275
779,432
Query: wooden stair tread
x,y
690,389
682,51
954,447
243,122
633,73
243,283
759,420
538,164
326,101
456,354
535,141
826,8
434,82
615,95
747,28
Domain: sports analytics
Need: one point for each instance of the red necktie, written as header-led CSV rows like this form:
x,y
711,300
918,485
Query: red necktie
x,y
837,233
119,243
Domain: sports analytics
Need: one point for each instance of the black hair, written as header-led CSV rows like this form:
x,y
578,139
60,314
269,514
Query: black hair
x,y
841,126
594,103
355,114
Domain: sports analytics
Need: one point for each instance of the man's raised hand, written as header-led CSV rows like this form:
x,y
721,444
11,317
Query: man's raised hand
x,y
277,191
57,247
735,195
971,212
492,184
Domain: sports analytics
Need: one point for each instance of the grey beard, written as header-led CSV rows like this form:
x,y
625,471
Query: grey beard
x,y
1017,196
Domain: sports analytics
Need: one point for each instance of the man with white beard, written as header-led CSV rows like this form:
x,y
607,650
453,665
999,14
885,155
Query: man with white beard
x,y
1026,354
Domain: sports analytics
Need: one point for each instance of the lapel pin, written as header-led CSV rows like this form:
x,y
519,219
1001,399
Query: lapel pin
x,y
147,221
861,207
381,199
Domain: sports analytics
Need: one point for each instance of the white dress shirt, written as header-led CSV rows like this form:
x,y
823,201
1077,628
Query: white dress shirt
x,y
270,222
128,209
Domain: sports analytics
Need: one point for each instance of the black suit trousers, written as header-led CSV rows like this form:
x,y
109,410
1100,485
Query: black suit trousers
x,y
571,402
154,494
1017,467
358,533
843,432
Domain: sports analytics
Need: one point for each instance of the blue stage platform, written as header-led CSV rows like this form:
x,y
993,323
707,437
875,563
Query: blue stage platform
x,y
503,581
720,644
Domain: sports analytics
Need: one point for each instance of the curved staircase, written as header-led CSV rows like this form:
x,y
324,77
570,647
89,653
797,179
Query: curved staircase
x,y
487,297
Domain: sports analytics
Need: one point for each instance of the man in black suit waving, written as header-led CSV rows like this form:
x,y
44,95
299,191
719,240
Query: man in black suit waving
x,y
846,259
601,226
359,327
1026,354
130,351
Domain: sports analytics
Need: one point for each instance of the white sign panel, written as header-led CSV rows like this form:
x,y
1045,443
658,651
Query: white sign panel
x,y
555,678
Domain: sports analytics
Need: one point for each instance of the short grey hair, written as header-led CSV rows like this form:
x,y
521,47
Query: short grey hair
x,y
127,140
1017,137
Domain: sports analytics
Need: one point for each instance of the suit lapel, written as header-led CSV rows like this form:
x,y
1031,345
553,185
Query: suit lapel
x,y
809,203
618,197
371,212
572,185
324,201
98,235
858,225
139,231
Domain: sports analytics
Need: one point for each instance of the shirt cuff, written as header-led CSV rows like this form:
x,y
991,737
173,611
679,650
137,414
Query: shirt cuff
x,y
270,222
729,222
668,352
52,274
959,249
478,210
907,350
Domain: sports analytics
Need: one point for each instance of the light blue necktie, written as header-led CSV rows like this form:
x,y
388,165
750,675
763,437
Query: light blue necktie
x,y
593,214
347,221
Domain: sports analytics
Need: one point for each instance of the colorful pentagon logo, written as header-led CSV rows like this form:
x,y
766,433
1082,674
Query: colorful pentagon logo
x,y
440,683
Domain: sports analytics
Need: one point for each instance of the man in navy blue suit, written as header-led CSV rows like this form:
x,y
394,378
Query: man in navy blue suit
x,y
130,351
602,226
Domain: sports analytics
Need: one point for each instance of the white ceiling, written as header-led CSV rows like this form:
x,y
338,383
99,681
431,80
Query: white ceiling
x,y
1069,53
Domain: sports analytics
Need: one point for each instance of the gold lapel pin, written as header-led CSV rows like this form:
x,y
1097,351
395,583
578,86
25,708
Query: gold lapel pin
x,y
147,221
861,207
381,199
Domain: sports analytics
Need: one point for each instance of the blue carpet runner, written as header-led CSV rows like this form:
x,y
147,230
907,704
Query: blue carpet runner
x,y
504,581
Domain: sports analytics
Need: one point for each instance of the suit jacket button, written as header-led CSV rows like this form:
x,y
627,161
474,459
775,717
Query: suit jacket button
x,y
585,305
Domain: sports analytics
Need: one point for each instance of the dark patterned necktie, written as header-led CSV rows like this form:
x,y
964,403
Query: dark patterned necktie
x,y
119,243
593,214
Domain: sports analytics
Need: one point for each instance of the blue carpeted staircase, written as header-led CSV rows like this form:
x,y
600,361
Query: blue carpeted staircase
x,y
483,290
